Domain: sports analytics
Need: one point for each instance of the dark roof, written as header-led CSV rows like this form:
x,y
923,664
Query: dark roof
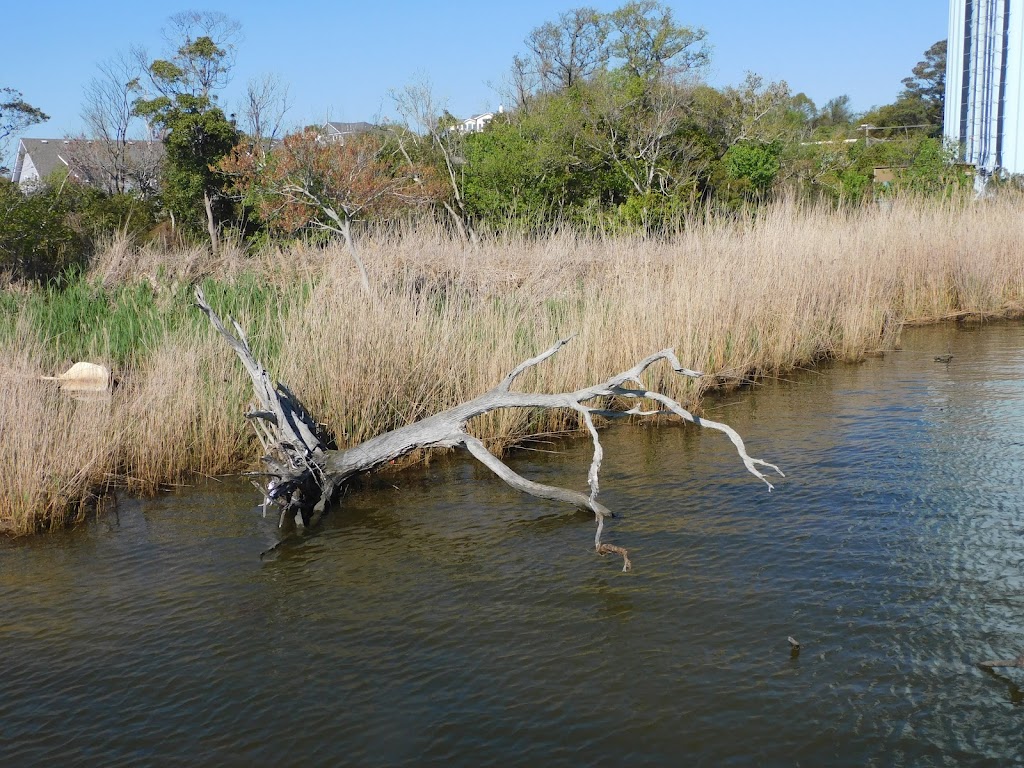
x,y
346,128
49,155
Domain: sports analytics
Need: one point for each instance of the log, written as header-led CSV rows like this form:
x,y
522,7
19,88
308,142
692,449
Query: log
x,y
305,471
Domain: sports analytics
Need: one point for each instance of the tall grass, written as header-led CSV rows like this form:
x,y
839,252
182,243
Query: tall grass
x,y
446,321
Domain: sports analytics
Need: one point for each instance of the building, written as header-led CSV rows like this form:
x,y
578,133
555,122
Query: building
x,y
336,133
984,80
107,165
477,123
39,159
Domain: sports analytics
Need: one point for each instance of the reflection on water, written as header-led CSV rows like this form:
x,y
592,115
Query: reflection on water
x,y
442,618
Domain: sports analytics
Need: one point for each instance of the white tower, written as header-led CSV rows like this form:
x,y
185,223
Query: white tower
x,y
984,73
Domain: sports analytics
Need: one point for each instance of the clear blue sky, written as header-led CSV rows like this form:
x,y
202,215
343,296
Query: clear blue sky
x,y
340,57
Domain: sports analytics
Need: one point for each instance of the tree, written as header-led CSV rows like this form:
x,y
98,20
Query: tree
x,y
204,43
307,183
266,103
651,46
306,474
752,168
921,103
505,182
835,114
636,127
927,82
569,50
16,115
108,153
431,135
762,112
183,103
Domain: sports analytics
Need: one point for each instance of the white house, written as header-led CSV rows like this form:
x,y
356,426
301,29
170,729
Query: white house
x,y
477,123
985,84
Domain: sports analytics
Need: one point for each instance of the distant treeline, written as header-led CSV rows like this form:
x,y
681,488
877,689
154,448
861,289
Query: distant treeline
x,y
609,128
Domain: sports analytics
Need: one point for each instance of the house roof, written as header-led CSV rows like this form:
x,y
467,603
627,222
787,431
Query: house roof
x,y
49,155
360,127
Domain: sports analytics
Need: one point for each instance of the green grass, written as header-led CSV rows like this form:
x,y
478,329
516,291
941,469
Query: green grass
x,y
121,325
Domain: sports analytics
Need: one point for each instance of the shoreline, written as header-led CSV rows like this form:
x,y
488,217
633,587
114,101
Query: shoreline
x,y
738,300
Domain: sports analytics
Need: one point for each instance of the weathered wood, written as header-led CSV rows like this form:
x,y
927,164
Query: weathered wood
x,y
1017,663
305,471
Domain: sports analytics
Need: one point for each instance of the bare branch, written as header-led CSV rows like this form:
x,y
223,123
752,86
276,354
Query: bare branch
x,y
504,386
305,473
1017,663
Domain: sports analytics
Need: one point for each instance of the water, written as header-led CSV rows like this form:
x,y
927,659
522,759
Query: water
x,y
441,618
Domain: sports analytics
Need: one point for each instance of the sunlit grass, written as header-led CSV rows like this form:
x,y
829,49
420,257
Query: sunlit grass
x,y
447,320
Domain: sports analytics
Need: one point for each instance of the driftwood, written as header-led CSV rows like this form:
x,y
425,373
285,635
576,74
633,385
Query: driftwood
x,y
1017,663
305,471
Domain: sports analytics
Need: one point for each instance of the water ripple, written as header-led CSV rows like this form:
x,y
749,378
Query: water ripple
x,y
441,618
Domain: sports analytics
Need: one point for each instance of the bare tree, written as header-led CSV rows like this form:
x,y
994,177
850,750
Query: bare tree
x,y
425,118
304,474
266,103
569,50
113,151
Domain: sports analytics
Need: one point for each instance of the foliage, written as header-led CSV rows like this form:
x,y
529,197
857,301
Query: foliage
x,y
96,214
198,136
197,133
37,240
504,178
922,101
927,82
16,115
57,225
308,183
651,45
751,168
933,171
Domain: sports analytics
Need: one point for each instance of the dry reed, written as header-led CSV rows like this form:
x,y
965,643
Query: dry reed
x,y
735,298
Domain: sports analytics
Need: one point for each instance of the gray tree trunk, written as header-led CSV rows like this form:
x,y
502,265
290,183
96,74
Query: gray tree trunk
x,y
304,472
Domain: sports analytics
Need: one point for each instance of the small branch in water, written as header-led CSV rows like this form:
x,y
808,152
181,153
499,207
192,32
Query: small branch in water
x,y
1017,663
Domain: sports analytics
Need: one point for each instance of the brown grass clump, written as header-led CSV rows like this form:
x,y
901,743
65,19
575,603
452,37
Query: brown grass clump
x,y
447,320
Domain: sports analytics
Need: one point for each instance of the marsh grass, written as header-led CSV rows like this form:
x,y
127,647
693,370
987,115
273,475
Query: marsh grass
x,y
738,298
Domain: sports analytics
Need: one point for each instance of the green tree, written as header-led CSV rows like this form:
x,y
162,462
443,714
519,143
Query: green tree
x,y
921,103
565,52
651,45
197,134
37,241
927,82
835,114
16,115
751,169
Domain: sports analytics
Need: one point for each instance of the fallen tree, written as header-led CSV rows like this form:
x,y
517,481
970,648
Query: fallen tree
x,y
305,471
